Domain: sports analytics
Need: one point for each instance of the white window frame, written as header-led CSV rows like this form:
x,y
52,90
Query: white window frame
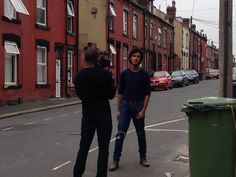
x,y
112,10
112,13
145,29
159,36
70,9
112,49
135,26
70,16
151,29
10,67
69,24
125,57
165,38
11,48
9,10
70,67
43,80
42,8
125,21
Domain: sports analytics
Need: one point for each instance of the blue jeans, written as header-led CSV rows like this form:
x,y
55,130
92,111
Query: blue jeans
x,y
129,110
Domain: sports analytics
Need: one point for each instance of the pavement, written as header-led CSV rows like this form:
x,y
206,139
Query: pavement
x,y
38,105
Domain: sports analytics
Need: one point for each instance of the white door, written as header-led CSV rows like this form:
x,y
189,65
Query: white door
x,y
58,78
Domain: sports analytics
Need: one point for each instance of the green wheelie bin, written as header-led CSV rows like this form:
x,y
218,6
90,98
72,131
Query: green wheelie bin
x,y
212,136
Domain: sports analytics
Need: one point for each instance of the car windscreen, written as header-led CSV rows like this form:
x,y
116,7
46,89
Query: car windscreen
x,y
176,74
159,74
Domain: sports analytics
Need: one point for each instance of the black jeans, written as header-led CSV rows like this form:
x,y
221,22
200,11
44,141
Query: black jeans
x,y
88,128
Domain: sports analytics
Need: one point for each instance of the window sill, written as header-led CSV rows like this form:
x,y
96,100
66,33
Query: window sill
x,y
70,34
125,35
46,28
19,86
42,86
15,21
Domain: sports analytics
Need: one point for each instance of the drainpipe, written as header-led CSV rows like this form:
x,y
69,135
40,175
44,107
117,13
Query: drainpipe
x,y
108,22
77,37
66,44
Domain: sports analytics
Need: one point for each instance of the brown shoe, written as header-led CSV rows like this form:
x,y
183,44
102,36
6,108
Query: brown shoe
x,y
114,166
144,163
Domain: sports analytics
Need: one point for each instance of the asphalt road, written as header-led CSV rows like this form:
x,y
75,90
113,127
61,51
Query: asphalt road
x,y
45,144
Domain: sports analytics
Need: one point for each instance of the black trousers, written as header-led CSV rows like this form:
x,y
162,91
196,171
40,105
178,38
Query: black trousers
x,y
103,126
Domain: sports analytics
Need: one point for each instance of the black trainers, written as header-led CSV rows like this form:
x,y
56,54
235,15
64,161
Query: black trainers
x,y
114,166
144,163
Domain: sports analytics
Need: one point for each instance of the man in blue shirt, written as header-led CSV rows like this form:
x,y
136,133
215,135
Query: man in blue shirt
x,y
133,97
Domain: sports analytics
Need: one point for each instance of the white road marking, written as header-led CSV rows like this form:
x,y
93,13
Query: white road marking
x,y
63,115
167,122
56,168
50,118
161,123
30,123
9,128
167,130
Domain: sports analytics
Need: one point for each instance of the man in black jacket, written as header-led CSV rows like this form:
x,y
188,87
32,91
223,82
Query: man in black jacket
x,y
94,86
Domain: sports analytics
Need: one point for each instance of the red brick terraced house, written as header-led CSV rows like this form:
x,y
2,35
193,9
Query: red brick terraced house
x,y
197,51
38,52
212,56
133,23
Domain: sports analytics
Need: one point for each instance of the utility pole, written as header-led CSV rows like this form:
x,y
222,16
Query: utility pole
x,y
225,48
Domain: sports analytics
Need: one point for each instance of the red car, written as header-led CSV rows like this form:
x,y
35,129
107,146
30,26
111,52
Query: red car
x,y
161,80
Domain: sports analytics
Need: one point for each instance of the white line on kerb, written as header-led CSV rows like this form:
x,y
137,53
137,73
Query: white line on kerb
x,y
56,168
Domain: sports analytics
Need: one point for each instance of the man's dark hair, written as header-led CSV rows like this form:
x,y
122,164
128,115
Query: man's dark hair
x,y
136,50
91,55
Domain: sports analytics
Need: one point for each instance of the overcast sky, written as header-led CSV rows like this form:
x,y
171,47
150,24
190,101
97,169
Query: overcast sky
x,y
205,15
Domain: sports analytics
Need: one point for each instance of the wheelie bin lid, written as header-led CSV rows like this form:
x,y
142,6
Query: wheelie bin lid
x,y
208,104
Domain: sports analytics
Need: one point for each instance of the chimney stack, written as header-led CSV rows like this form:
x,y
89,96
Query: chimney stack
x,y
171,11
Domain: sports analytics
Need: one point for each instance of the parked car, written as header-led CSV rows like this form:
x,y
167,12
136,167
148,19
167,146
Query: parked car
x,y
161,80
212,73
234,81
193,76
179,78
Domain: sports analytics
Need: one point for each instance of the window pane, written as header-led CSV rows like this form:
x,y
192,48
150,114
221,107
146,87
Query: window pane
x,y
69,24
41,65
41,16
10,69
41,74
41,55
41,3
